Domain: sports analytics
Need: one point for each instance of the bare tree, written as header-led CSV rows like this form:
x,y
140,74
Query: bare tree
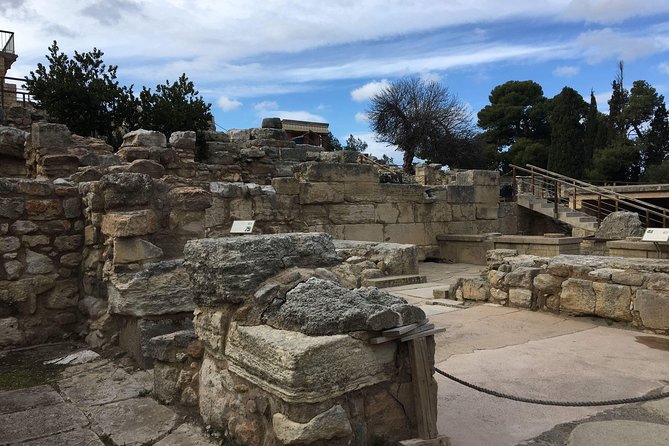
x,y
417,117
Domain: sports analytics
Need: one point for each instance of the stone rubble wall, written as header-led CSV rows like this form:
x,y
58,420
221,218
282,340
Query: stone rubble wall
x,y
632,291
286,352
41,240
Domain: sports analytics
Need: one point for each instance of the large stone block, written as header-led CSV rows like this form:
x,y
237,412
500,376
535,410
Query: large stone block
x,y
477,178
230,269
405,233
521,277
135,335
653,308
578,297
189,198
406,193
306,369
129,224
131,250
362,232
44,209
12,142
333,423
475,289
613,301
50,138
161,288
122,190
321,307
461,194
314,172
520,297
341,214
317,193
144,138
11,208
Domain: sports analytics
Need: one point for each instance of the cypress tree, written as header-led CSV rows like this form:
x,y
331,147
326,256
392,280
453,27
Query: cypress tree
x,y
566,154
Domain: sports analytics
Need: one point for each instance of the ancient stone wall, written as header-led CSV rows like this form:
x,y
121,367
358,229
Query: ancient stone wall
x,y
41,239
632,291
287,357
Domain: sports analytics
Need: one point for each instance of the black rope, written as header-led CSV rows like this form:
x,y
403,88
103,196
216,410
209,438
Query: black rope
x,y
521,399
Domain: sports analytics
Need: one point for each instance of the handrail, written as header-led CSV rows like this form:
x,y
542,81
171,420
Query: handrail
x,y
544,182
598,189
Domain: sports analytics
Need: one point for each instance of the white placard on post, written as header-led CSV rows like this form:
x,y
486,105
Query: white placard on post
x,y
242,226
656,235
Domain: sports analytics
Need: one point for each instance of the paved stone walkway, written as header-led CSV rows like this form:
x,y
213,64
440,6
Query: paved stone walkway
x,y
94,404
545,356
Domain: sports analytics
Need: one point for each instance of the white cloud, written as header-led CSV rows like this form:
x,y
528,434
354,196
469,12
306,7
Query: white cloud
x,y
664,67
369,90
361,117
566,71
606,43
613,11
602,101
228,104
430,77
266,106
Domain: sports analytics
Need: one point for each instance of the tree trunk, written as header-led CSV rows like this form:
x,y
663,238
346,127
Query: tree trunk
x,y
407,166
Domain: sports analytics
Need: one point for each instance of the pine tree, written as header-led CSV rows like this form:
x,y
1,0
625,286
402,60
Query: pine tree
x,y
566,154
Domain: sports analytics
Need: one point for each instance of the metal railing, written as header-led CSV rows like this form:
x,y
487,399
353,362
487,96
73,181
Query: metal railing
x,y
565,191
7,41
19,95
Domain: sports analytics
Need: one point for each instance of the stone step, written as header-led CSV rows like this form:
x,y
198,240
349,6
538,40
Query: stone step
x,y
448,303
393,281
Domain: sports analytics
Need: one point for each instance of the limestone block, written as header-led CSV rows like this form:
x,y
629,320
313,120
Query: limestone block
x,y
498,296
37,263
548,284
183,140
405,233
241,209
13,269
475,289
477,178
211,327
269,133
136,333
341,214
121,190
286,186
189,198
38,187
486,213
461,194
44,209
72,207
10,333
9,244
144,138
464,212
371,192
129,224
628,277
658,281
315,214
12,142
613,301
653,308
161,288
11,208
130,250
437,211
333,423
321,307
171,346
296,154
522,277
306,369
317,193
496,278
407,193
50,138
314,172
230,269
620,225
65,294
147,167
68,242
35,240
520,297
387,213
486,194
578,297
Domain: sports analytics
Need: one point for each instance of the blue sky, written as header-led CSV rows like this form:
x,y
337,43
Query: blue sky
x,y
323,60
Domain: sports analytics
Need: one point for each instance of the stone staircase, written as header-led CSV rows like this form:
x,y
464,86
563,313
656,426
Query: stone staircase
x,y
574,218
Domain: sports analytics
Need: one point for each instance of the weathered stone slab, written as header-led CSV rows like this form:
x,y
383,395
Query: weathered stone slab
x,y
475,289
104,384
167,347
77,437
521,277
230,269
520,297
333,423
144,138
130,224
161,288
619,432
620,225
120,190
301,368
577,297
321,307
187,435
24,399
653,308
613,301
314,172
40,421
130,250
134,422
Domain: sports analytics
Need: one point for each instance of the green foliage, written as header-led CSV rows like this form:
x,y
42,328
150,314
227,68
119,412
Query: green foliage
x,y
417,117
616,162
335,144
355,144
515,121
657,173
173,107
596,132
566,155
81,92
